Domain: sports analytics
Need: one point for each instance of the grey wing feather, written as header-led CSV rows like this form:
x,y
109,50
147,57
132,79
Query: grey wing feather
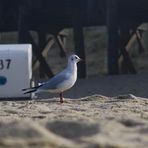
x,y
55,81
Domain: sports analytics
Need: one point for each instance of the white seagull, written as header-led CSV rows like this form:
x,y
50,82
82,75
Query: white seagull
x,y
60,82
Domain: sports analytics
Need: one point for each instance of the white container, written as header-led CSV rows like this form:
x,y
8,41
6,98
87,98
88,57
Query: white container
x,y
15,70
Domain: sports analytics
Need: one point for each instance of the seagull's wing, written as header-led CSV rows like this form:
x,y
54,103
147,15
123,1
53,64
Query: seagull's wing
x,y
54,82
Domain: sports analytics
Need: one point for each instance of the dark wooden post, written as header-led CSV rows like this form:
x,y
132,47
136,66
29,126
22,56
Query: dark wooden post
x,y
25,37
124,38
23,24
79,48
113,36
1,13
41,43
91,10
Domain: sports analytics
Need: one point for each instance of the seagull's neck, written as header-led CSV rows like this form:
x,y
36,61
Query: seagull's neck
x,y
72,67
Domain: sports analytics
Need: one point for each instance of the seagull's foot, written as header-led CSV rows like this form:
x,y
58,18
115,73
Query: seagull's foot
x,y
61,101
64,101
61,98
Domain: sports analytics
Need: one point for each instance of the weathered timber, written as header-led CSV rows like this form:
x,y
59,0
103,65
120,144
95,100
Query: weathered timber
x,y
52,16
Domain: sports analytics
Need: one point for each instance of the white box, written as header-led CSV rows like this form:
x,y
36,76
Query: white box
x,y
15,70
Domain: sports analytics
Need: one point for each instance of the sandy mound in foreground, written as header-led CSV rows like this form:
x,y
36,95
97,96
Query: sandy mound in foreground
x,y
94,121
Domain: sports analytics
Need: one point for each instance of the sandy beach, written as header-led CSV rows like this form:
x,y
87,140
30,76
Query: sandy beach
x,y
106,111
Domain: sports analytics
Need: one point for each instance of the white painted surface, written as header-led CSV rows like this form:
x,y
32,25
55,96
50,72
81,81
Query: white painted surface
x,y
16,66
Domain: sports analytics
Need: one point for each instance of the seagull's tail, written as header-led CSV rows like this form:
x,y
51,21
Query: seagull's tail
x,y
31,89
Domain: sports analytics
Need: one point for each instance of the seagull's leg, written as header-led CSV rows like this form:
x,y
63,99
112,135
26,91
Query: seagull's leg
x,y
30,102
61,98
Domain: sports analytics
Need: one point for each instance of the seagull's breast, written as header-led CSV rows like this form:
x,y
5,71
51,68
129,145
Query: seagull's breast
x,y
68,83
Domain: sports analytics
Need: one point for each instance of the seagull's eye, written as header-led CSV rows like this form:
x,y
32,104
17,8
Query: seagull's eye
x,y
72,59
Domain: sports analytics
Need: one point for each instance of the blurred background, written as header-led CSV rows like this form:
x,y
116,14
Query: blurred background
x,y
95,40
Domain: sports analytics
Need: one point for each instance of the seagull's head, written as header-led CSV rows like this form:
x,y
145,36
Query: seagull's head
x,y
74,59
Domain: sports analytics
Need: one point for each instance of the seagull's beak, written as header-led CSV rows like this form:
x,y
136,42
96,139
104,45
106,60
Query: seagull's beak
x,y
81,60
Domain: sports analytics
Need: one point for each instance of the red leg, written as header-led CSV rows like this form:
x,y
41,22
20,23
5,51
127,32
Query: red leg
x,y
61,98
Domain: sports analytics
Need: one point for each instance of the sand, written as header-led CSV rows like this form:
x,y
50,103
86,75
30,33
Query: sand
x,y
109,111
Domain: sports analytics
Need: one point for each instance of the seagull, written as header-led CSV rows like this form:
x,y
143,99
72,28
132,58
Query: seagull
x,y
60,82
